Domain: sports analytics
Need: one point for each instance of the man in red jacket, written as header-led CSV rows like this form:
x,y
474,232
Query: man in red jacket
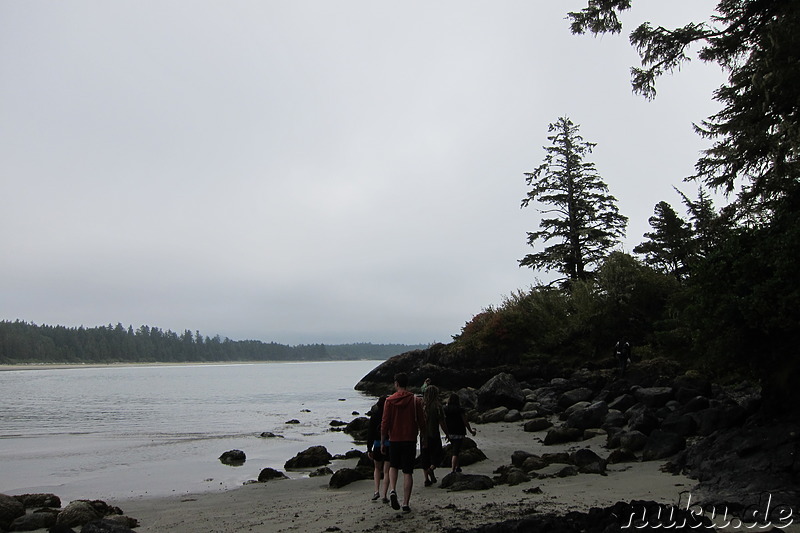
x,y
403,419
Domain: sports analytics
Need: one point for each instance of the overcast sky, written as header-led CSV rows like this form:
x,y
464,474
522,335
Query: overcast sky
x,y
309,171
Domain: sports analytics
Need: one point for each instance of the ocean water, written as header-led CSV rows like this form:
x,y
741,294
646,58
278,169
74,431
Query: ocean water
x,y
123,432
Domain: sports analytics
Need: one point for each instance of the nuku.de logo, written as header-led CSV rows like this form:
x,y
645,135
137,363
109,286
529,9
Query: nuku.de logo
x,y
759,516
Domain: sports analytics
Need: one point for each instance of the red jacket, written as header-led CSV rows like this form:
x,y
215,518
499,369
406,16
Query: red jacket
x,y
403,417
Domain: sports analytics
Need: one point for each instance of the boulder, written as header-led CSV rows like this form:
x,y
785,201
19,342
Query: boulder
x,y
38,500
654,397
311,457
642,419
519,456
233,457
592,416
632,440
683,425
561,434
34,521
510,475
10,509
77,513
662,444
268,474
345,476
457,481
501,390
537,424
698,403
470,454
322,471
574,396
622,403
512,416
270,435
534,463
614,419
622,455
106,525
588,462
494,415
358,428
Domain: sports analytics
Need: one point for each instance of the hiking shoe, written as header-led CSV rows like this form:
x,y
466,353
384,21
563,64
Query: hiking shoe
x,y
394,500
406,509
375,496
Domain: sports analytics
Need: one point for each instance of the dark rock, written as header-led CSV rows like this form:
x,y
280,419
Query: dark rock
x,y
560,435
614,419
537,424
501,390
622,455
512,415
38,500
10,509
574,396
311,457
698,403
519,456
496,414
534,463
566,413
662,444
653,397
358,428
233,457
588,462
642,419
510,475
270,435
680,424
468,398
687,387
292,421
345,476
337,423
623,403
632,440
559,457
33,521
324,471
268,474
106,525
457,481
568,471
78,513
589,417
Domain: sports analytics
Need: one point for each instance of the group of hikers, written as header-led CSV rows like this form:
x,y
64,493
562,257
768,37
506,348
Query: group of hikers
x,y
395,423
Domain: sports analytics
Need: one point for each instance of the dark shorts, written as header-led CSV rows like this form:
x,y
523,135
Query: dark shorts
x,y
377,456
402,456
455,443
432,453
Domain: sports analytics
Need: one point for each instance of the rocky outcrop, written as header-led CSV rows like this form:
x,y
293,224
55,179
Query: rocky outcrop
x,y
268,474
345,476
10,509
233,458
310,457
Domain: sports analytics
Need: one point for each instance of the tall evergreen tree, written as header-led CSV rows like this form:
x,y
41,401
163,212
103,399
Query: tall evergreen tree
x,y
669,247
584,219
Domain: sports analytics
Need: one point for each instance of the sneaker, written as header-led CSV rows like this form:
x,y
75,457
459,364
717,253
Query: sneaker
x,y
428,483
395,502
406,509
385,500
375,496
458,469
433,478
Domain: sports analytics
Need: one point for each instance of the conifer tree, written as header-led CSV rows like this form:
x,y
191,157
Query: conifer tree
x,y
669,247
583,218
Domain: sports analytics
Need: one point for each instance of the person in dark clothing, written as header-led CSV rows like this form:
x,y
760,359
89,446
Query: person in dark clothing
x,y
381,462
434,419
622,351
457,426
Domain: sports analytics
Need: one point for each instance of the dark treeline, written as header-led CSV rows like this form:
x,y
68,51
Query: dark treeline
x,y
22,342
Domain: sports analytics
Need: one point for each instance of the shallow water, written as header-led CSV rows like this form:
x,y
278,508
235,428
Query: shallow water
x,y
127,432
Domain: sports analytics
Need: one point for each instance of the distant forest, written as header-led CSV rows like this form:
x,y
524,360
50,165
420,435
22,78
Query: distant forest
x,y
21,342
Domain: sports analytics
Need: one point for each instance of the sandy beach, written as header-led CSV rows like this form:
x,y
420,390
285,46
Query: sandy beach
x,y
309,505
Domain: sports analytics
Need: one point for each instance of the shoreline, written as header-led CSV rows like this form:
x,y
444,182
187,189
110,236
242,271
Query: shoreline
x,y
124,364
307,504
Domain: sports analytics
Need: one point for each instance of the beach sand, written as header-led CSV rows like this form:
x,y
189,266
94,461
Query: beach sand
x,y
308,504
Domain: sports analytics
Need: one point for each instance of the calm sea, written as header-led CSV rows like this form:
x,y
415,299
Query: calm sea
x,y
126,432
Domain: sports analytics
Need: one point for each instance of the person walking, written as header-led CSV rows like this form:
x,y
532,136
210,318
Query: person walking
x,y
457,426
434,419
381,462
403,419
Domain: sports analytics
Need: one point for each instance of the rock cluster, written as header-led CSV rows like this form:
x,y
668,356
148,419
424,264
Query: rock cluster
x,y
93,516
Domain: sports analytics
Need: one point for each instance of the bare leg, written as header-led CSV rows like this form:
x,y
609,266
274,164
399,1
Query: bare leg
x,y
385,479
408,484
454,462
392,478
